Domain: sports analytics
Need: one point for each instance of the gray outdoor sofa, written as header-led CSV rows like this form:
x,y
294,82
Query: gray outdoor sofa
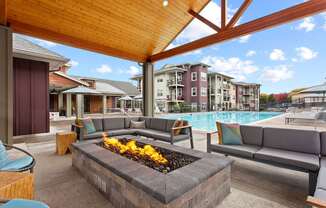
x,y
155,128
302,150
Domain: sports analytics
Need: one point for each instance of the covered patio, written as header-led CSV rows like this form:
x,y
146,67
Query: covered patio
x,y
138,31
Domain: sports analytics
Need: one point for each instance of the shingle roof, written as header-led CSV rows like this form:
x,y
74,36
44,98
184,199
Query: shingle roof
x,y
81,90
245,83
108,88
23,46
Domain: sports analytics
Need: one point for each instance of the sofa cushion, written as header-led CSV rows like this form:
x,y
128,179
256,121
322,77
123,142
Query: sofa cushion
x,y
229,133
113,123
137,124
120,132
89,125
158,124
252,135
320,194
246,151
323,143
296,160
147,121
155,134
304,141
98,124
128,119
169,124
321,180
95,135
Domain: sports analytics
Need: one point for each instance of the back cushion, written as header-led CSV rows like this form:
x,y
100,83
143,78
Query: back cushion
x,y
98,124
169,124
158,124
128,119
323,143
147,121
304,141
113,123
252,135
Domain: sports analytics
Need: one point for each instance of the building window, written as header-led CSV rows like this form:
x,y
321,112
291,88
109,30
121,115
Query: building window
x,y
159,93
203,91
159,80
179,92
194,106
203,76
193,76
194,91
203,106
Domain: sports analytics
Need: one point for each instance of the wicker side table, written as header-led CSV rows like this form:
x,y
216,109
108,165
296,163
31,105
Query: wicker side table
x,y
63,141
16,185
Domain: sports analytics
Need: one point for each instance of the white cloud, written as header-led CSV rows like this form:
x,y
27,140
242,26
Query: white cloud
x,y
233,66
45,43
294,60
306,53
277,73
133,70
195,52
244,39
307,24
104,69
277,55
73,63
251,53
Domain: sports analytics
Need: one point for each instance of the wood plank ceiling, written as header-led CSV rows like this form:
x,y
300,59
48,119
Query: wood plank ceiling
x,y
129,29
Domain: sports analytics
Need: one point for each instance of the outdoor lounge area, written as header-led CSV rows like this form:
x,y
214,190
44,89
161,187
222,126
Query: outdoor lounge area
x,y
143,161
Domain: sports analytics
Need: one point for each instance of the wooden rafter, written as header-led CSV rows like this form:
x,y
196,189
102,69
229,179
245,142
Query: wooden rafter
x,y
71,41
204,20
315,202
3,12
284,16
239,13
224,13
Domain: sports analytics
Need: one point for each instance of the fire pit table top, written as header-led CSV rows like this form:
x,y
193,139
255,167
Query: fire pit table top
x,y
163,187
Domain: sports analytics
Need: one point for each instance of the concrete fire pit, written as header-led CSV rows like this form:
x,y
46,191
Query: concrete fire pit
x,y
126,183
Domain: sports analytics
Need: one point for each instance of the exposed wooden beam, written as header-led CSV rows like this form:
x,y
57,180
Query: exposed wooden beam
x,y
315,202
3,12
284,16
239,13
37,32
204,20
224,13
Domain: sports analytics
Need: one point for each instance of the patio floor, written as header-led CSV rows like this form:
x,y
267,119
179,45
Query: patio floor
x,y
253,184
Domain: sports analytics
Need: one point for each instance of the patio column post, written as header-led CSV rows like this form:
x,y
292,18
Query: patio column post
x,y
148,89
80,105
6,85
104,104
68,100
60,101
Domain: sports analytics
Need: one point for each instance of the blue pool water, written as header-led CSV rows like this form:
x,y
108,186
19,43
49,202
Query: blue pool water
x,y
206,121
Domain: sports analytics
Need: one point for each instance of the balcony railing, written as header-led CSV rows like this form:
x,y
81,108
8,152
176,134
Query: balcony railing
x,y
172,83
173,99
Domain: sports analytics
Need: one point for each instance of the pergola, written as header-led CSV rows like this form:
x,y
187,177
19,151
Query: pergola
x,y
136,30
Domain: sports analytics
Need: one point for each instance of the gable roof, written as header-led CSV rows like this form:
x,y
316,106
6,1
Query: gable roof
x,y
106,88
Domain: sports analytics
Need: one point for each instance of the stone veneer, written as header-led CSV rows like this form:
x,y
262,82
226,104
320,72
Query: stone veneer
x,y
126,183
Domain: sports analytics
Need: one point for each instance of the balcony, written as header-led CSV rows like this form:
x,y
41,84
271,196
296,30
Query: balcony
x,y
171,98
173,83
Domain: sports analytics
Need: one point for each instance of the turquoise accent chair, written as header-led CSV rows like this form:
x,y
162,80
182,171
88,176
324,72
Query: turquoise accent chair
x,y
25,163
22,203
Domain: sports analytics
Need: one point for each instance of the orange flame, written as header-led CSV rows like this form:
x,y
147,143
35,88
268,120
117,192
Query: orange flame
x,y
131,147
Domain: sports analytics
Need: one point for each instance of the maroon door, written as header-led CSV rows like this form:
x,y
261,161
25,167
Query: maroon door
x,y
31,108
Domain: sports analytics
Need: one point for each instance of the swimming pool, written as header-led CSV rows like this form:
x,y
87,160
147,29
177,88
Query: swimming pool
x,y
206,121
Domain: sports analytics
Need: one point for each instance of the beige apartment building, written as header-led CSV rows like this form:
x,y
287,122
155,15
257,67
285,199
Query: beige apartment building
x,y
246,96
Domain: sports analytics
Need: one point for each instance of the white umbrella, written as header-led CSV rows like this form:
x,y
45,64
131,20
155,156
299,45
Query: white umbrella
x,y
125,98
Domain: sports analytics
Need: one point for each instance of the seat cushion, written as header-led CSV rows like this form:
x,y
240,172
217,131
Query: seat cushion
x,y
95,135
321,181
155,134
296,160
120,132
98,124
17,163
252,135
113,123
158,124
323,143
246,151
320,194
305,141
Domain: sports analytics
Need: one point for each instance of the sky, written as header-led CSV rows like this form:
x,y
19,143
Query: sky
x,y
281,59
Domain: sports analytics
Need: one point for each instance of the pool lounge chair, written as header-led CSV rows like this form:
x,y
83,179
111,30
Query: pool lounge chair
x,y
25,163
303,116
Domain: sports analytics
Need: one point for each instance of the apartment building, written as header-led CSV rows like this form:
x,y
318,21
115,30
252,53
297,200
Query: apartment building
x,y
220,92
194,85
247,96
183,83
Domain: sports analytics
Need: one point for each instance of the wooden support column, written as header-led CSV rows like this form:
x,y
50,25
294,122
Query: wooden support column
x,y
6,83
68,105
80,105
148,89
104,100
60,101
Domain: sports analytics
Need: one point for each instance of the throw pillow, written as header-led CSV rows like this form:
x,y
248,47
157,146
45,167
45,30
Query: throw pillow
x,y
3,155
229,134
89,125
178,123
137,124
